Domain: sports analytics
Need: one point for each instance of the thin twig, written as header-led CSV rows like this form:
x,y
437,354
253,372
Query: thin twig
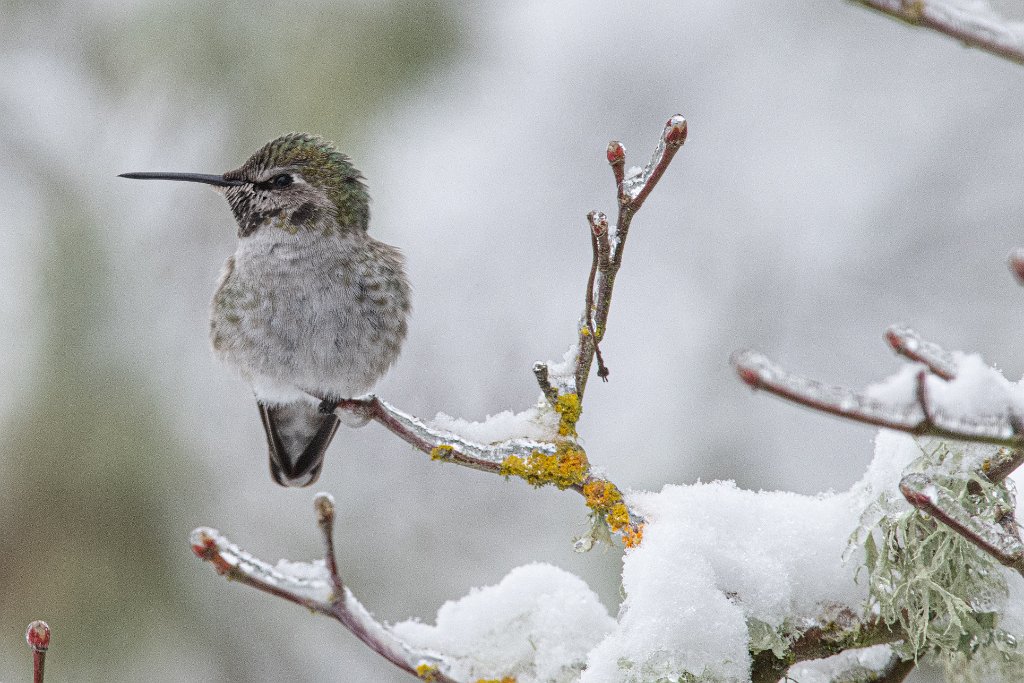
x,y
540,371
322,594
909,344
925,495
600,249
633,190
38,638
917,417
989,33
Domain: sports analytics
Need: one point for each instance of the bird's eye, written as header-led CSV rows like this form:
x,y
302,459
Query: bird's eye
x,y
283,180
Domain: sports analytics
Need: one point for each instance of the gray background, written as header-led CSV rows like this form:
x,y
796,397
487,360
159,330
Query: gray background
x,y
843,172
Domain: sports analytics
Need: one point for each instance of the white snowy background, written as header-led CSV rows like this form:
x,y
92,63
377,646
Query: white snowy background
x,y
843,172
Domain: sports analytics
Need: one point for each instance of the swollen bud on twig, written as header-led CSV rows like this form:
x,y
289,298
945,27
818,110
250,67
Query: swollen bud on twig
x,y
598,222
38,638
38,635
616,153
617,159
675,131
324,504
1017,264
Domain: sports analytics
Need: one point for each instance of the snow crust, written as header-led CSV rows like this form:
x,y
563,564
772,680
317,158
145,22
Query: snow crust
x,y
539,423
537,625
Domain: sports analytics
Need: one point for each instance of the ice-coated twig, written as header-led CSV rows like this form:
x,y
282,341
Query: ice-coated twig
x,y
440,444
918,417
600,263
973,25
909,344
495,458
632,190
926,496
38,638
319,588
540,371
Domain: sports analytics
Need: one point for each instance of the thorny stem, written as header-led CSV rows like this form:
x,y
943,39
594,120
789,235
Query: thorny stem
x,y
984,33
632,192
38,638
333,600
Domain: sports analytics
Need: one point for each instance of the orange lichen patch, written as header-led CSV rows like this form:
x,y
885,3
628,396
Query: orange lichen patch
x,y
442,452
506,679
427,672
566,467
632,535
569,409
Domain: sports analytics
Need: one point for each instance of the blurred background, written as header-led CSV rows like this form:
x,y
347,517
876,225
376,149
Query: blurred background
x,y
843,172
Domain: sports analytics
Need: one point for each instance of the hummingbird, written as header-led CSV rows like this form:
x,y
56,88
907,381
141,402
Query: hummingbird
x,y
310,309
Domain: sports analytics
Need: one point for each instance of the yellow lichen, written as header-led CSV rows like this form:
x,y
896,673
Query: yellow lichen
x,y
566,467
585,331
506,679
427,672
632,535
569,408
601,495
442,452
618,517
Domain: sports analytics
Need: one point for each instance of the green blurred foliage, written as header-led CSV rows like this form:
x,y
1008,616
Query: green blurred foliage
x,y
92,536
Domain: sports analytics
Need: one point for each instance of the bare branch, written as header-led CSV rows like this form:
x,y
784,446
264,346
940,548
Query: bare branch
x,y
319,588
923,494
38,638
439,444
633,190
976,28
917,417
909,344
540,371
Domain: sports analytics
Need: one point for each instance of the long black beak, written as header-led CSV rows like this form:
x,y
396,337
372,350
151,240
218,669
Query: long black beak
x,y
218,180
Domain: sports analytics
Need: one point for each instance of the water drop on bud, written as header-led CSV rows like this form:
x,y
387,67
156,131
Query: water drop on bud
x,y
616,153
38,635
675,131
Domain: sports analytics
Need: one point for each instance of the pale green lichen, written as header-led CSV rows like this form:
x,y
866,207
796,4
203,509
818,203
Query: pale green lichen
x,y
939,588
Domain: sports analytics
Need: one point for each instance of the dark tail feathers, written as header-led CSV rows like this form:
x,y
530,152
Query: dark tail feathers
x,y
298,435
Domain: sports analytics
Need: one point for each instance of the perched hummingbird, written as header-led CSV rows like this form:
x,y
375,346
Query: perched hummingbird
x,y
310,309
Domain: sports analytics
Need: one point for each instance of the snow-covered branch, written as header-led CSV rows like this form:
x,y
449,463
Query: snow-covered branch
x,y
317,586
973,23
